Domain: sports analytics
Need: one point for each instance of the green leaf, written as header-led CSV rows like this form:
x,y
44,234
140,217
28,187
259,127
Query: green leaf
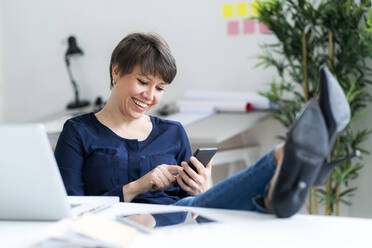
x,y
348,191
357,115
345,202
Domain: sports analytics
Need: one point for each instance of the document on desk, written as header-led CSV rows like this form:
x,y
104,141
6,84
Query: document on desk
x,y
88,231
90,204
104,230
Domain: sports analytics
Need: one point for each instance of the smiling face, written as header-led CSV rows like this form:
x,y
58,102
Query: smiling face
x,y
136,93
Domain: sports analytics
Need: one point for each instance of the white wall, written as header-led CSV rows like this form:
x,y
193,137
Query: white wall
x,y
362,202
35,33
1,63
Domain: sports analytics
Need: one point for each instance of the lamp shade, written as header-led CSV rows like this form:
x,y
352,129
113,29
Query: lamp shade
x,y
73,48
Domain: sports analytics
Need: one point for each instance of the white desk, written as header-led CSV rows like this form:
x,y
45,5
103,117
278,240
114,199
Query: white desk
x,y
240,229
218,128
214,129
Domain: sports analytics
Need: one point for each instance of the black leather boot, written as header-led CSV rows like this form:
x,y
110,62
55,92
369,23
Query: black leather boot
x,y
306,148
336,113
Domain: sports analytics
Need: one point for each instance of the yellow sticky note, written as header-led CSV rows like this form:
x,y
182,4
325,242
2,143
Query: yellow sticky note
x,y
227,10
242,9
254,6
104,230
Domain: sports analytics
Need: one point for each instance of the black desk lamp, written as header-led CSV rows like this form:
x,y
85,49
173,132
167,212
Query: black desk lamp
x,y
72,50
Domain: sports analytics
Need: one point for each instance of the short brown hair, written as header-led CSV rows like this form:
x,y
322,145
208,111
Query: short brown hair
x,y
149,51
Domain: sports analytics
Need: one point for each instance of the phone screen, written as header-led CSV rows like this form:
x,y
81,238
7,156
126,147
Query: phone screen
x,y
164,219
204,155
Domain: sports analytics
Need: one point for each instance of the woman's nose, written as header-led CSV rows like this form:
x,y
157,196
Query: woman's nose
x,y
149,93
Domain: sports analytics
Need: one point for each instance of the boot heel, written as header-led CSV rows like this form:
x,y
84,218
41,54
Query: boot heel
x,y
328,167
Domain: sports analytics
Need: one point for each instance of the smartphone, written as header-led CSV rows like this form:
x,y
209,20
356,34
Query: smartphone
x,y
204,155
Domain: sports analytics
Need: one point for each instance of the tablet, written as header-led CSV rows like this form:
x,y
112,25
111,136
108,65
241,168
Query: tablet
x,y
163,219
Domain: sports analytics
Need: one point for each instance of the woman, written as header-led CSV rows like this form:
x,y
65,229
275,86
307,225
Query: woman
x,y
121,151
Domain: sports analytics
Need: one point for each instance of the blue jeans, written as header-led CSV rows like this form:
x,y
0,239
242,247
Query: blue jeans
x,y
242,191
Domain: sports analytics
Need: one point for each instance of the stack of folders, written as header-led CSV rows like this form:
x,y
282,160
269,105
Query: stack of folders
x,y
218,101
198,104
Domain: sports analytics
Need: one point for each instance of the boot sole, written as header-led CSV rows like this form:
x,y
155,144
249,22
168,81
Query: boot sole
x,y
305,150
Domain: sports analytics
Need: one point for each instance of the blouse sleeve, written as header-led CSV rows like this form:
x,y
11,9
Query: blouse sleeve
x,y
70,154
70,159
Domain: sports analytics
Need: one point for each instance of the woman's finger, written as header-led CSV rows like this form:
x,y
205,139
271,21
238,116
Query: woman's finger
x,y
183,185
174,169
198,165
190,172
157,183
164,180
166,174
190,182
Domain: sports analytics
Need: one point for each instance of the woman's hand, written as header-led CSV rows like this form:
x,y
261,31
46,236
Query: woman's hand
x,y
160,178
195,182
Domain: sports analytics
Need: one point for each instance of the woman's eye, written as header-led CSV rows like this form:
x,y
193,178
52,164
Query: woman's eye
x,y
159,88
142,82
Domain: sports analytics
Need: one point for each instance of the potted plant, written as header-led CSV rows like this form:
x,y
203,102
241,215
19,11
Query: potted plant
x,y
309,34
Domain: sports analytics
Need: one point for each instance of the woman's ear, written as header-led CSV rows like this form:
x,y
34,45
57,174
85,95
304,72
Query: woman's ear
x,y
115,71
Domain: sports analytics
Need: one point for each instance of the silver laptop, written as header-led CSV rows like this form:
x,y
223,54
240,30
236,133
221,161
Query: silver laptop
x,y
31,187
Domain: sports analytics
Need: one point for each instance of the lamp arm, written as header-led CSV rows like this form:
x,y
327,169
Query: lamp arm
x,y
76,90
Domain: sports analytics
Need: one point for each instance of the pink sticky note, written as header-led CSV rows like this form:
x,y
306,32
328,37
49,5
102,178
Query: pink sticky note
x,y
248,26
263,28
233,28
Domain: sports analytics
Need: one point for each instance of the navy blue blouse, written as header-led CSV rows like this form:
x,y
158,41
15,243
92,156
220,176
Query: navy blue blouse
x,y
93,160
